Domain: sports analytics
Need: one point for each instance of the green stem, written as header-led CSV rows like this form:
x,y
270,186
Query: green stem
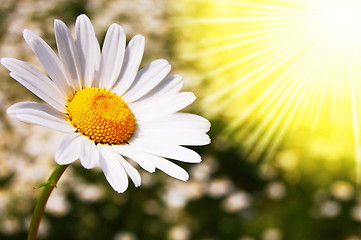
x,y
40,205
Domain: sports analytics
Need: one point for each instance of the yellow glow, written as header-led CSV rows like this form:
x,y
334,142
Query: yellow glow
x,y
285,74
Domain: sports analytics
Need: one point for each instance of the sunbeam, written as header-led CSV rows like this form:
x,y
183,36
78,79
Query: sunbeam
x,y
285,73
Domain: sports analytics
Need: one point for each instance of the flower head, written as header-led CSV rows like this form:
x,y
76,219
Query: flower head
x,y
110,111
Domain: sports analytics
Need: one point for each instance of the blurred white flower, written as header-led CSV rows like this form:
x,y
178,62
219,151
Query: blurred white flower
x,y
276,190
272,234
342,190
237,201
179,233
57,204
356,213
10,225
124,236
219,187
329,209
89,192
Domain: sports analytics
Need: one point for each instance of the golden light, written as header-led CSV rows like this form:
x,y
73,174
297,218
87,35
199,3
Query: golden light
x,y
284,74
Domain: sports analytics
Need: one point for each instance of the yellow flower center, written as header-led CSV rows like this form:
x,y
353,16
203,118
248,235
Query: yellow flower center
x,y
101,115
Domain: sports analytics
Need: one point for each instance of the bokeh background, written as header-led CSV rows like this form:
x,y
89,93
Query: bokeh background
x,y
284,104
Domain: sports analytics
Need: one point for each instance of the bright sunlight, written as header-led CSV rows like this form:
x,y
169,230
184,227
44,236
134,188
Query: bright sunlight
x,y
340,22
286,74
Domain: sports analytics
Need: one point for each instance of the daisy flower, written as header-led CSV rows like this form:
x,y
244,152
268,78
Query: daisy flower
x,y
110,111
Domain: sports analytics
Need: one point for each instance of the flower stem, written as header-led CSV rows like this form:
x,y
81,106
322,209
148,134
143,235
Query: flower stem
x,y
40,205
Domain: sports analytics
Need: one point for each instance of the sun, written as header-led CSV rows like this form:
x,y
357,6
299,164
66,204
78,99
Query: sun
x,y
339,22
284,74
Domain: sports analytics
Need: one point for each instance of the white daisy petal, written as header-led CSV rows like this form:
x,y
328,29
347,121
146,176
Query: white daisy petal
x,y
69,149
131,171
88,49
34,80
165,149
39,114
146,79
170,85
171,169
49,60
162,107
132,58
68,53
112,56
159,162
138,156
112,169
89,154
179,120
177,136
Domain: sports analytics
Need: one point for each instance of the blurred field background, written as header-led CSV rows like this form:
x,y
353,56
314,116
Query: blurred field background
x,y
256,182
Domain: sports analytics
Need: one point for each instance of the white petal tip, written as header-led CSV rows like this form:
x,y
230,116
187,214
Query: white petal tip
x,y
162,60
121,190
118,187
58,24
27,34
9,112
83,16
115,25
184,178
12,111
208,141
56,158
8,63
139,37
4,61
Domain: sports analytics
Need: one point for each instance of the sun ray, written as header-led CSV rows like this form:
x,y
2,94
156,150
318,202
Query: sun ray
x,y
283,113
284,54
279,69
298,106
286,50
